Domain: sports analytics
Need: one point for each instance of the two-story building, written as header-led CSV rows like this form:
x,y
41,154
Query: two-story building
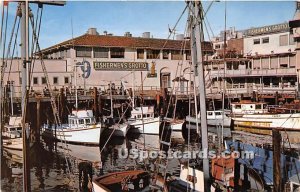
x,y
95,60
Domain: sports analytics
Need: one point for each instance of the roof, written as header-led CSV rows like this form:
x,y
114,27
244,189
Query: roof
x,y
88,40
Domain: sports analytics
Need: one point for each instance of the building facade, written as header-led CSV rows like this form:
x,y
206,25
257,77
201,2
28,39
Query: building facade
x,y
262,61
94,60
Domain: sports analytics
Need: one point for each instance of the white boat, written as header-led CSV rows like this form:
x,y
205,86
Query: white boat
x,y
142,120
81,129
215,119
12,134
253,117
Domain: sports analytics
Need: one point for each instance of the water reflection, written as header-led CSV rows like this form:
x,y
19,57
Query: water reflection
x,y
48,168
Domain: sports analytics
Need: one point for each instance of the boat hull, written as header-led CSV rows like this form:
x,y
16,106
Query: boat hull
x,y
214,125
151,126
287,124
89,135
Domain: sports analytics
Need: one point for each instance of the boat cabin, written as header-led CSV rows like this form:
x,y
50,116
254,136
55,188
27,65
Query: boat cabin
x,y
81,118
14,128
248,107
215,114
142,112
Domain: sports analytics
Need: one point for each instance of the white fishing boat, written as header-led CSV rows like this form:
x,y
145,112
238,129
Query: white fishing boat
x,y
12,135
254,117
81,129
215,120
142,120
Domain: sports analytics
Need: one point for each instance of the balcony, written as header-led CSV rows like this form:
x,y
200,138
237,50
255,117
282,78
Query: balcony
x,y
255,72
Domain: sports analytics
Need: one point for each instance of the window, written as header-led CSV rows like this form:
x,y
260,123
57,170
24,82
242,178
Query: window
x,y
217,46
140,53
80,121
218,113
265,40
67,80
165,80
153,54
55,80
238,106
35,81
283,40
188,55
209,113
258,106
83,52
256,41
176,55
100,52
87,121
165,54
44,80
117,52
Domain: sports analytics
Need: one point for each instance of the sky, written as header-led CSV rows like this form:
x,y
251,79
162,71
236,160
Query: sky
x,y
156,17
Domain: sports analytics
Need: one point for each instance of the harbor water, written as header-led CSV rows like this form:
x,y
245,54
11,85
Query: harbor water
x,y
49,171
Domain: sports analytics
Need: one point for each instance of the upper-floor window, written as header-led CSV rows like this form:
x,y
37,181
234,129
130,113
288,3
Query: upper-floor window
x,y
140,53
188,55
67,80
55,80
256,41
176,55
35,81
165,54
101,52
153,54
83,52
265,40
117,52
44,80
283,40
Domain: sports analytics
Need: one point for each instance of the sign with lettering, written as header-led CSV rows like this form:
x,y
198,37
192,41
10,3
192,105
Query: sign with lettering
x,y
268,29
120,66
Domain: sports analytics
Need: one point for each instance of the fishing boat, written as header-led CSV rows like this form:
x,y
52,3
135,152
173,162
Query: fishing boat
x,y
81,129
142,120
254,117
12,135
215,120
135,180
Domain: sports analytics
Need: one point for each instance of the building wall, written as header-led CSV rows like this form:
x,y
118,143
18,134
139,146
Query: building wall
x,y
266,48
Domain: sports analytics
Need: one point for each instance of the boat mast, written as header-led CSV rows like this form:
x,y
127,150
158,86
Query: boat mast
x,y
24,90
133,86
197,38
76,92
111,101
11,99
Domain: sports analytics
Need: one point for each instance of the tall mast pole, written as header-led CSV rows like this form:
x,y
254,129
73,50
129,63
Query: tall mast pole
x,y
196,39
24,72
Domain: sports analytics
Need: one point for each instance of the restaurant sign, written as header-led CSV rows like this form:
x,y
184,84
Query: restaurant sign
x,y
268,29
120,66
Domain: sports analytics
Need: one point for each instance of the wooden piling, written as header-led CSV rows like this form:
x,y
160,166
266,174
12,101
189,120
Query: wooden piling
x,y
276,161
95,102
